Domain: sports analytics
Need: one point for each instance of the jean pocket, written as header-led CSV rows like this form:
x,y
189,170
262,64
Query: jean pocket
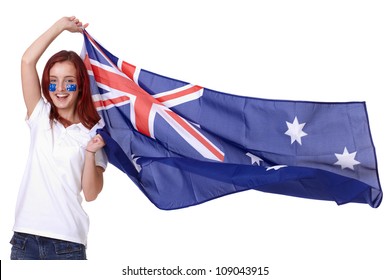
x,y
18,241
66,247
69,251
18,250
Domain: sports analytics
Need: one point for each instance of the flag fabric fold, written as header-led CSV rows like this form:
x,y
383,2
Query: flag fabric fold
x,y
184,144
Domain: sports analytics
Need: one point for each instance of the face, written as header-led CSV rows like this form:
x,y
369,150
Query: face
x,y
63,87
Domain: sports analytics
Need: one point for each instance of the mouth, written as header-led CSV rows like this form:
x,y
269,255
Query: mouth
x,y
62,96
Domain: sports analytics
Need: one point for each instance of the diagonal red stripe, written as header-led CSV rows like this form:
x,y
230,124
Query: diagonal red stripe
x,y
179,94
196,135
111,101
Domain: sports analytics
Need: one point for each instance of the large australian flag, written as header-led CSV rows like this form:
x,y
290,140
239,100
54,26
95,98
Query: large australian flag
x,y
183,144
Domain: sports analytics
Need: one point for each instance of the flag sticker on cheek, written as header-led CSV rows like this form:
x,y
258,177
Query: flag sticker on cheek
x,y
71,87
52,87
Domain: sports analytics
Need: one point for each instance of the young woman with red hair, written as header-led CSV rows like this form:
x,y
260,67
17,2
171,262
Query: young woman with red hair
x,y
66,156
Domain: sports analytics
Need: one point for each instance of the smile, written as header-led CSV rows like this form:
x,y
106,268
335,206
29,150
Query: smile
x,y
62,95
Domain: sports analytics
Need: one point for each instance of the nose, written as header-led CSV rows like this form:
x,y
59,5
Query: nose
x,y
60,86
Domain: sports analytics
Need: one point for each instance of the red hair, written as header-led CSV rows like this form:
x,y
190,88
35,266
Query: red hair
x,y
85,109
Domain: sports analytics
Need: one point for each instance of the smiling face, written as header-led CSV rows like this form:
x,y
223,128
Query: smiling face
x,y
64,88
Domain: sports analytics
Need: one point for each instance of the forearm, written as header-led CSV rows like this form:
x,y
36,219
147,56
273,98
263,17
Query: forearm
x,y
92,178
38,47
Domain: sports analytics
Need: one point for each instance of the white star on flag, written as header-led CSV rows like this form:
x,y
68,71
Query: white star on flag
x,y
276,167
136,165
346,159
254,159
295,131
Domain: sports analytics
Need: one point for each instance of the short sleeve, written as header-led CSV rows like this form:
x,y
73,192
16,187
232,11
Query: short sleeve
x,y
101,159
42,109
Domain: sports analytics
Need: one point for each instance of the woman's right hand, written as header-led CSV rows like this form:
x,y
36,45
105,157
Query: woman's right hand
x,y
72,24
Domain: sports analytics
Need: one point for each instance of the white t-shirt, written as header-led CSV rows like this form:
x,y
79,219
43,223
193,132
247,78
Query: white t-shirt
x,y
49,199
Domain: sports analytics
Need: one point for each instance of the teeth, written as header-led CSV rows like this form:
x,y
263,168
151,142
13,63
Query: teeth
x,y
62,95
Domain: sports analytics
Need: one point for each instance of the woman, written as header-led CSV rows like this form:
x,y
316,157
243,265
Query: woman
x,y
65,157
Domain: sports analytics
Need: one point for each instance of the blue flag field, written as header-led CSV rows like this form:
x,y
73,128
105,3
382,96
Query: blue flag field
x,y
183,144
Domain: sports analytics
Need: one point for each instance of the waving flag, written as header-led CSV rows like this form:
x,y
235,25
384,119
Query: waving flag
x,y
183,144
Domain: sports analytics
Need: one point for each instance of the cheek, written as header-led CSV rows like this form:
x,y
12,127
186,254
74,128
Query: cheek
x,y
76,95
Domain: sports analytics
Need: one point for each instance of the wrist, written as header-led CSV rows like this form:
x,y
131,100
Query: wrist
x,y
89,151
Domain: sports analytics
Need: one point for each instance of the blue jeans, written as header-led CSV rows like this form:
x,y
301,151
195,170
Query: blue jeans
x,y
32,247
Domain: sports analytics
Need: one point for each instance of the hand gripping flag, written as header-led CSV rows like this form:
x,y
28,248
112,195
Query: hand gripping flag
x,y
183,144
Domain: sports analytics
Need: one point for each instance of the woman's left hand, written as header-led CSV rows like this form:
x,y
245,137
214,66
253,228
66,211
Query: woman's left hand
x,y
95,143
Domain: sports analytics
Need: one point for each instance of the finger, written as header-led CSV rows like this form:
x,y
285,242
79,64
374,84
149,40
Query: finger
x,y
97,138
101,140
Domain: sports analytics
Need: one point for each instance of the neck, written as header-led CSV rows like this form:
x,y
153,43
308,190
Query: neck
x,y
70,116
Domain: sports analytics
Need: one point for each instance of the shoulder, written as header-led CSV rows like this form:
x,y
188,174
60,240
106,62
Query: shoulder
x,y
42,109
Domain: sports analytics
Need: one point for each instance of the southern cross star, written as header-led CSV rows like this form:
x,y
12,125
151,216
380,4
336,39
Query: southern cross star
x,y
295,131
346,159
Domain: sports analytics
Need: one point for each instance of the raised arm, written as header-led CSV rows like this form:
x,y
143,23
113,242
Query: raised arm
x,y
30,80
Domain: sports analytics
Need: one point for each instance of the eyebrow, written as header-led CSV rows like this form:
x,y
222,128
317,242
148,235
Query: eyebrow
x,y
69,76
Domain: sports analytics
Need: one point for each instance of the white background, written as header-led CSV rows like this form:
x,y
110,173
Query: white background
x,y
297,50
